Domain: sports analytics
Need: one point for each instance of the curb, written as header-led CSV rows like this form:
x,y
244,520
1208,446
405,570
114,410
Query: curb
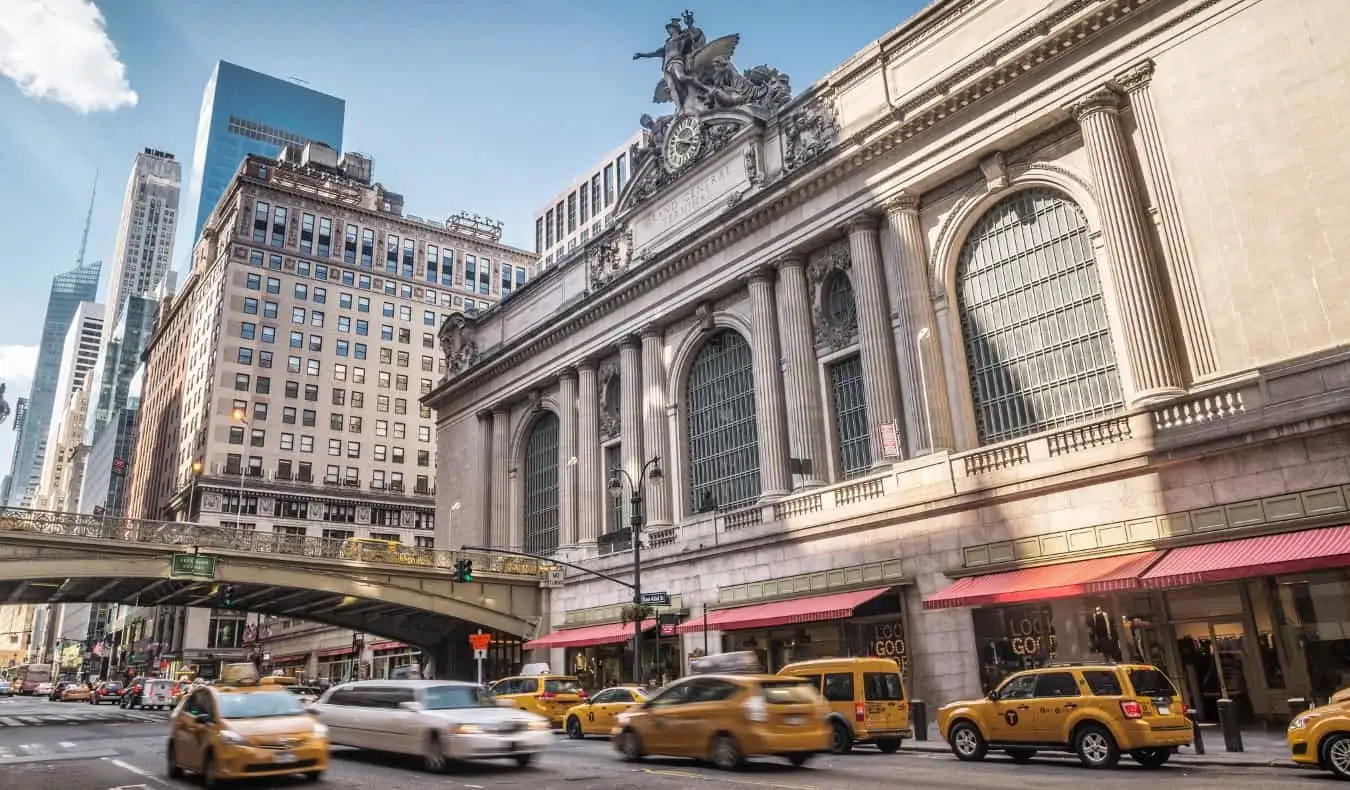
x,y
937,747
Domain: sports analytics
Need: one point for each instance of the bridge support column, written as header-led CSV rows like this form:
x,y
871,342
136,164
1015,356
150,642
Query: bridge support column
x,y
451,657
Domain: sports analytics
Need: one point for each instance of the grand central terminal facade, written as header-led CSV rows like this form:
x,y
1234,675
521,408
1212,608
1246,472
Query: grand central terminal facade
x,y
1020,336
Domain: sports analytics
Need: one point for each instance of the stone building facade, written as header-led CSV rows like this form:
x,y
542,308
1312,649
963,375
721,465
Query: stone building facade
x,y
1016,337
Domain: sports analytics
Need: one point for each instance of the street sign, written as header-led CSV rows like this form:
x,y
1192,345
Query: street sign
x,y
193,566
479,642
656,598
479,655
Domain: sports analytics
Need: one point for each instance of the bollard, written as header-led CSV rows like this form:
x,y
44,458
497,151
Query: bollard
x,y
1197,737
918,719
1232,736
1299,705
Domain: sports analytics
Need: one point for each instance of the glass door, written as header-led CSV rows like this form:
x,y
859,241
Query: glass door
x,y
1213,664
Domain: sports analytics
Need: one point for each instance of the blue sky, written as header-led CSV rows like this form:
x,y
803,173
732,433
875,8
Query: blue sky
x,y
486,107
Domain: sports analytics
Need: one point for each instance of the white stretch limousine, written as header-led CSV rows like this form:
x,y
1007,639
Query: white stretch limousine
x,y
438,720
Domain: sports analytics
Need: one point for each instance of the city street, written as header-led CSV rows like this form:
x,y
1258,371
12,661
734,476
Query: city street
x,y
89,752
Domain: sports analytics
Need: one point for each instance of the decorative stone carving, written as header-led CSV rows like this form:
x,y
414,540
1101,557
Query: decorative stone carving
x,y
830,334
1136,77
808,132
211,502
752,172
995,172
610,426
821,264
458,343
604,262
831,258
1103,98
362,514
704,315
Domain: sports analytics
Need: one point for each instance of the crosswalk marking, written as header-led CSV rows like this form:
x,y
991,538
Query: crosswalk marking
x,y
109,717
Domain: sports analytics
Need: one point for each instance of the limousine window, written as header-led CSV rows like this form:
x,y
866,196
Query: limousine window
x,y
371,696
450,697
259,704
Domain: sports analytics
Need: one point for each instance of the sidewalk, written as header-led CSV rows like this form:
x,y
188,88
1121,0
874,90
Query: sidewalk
x,y
1261,749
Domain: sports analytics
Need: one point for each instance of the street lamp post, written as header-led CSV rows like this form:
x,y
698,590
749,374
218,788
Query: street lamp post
x,y
197,467
241,417
651,471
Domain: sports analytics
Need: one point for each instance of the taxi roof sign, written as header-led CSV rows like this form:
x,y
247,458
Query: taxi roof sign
x,y
741,662
534,669
244,674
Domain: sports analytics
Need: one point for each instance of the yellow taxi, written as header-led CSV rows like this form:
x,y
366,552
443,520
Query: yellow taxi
x,y
866,696
596,716
730,710
240,728
1320,738
75,692
542,693
1097,711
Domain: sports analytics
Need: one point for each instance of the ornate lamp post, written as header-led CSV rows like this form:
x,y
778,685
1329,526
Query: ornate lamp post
x,y
617,476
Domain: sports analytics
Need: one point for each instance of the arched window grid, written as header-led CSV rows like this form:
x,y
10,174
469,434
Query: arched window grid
x,y
722,440
1034,321
541,486
851,426
840,306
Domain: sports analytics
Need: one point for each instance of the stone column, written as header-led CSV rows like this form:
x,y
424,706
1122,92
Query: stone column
x,y
481,511
876,342
567,457
775,474
1138,285
801,377
923,385
630,409
655,425
501,477
1195,332
590,494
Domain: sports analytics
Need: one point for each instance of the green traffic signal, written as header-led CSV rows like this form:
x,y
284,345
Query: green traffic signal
x,y
463,570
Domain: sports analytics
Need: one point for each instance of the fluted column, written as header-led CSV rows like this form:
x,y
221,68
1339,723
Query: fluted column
x,y
590,493
501,477
876,343
775,475
1138,284
567,451
655,424
801,379
630,408
923,383
482,509
1194,322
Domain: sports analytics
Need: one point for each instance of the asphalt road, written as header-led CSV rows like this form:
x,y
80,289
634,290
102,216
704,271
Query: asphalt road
x,y
92,754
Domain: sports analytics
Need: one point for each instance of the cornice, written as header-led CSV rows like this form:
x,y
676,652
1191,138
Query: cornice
x,y
1136,78
794,189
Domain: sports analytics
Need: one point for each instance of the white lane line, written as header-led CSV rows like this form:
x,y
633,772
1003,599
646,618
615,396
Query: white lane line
x,y
67,745
10,722
139,772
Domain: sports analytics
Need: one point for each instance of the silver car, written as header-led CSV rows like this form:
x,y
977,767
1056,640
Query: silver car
x,y
438,720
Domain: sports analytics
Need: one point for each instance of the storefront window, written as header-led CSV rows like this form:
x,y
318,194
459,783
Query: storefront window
x,y
1013,638
612,665
1317,610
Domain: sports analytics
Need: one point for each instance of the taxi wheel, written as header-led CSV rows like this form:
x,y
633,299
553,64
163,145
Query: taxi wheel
x,y
1095,746
574,728
1336,755
524,760
630,746
967,742
209,780
888,745
314,776
841,740
1150,758
433,758
800,758
174,770
726,753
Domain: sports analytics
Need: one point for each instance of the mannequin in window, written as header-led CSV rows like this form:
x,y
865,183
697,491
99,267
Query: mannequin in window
x,y
1101,634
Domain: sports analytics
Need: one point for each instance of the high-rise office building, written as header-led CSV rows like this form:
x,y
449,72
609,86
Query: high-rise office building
x,y
246,112
68,290
63,461
585,209
144,249
20,419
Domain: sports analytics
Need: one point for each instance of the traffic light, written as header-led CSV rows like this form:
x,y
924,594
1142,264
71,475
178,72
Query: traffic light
x,y
463,570
227,595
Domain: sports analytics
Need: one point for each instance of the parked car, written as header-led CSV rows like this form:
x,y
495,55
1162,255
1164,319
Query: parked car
x,y
108,691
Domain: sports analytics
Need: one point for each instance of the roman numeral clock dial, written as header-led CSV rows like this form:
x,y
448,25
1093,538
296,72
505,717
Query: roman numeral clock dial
x,y
684,141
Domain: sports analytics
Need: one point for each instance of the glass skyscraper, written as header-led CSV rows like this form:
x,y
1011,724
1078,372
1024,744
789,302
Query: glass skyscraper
x,y
69,289
247,112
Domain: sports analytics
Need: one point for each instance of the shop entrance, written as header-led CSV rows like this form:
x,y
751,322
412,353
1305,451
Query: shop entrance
x,y
1213,666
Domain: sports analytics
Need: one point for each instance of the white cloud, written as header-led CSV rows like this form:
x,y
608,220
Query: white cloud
x,y
59,50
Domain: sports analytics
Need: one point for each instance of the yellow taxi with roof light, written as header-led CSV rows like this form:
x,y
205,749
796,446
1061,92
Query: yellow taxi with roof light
x,y
1095,710
727,712
242,728
537,690
596,716
1320,738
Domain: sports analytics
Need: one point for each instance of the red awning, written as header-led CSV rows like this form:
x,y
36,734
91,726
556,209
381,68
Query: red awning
x,y
336,651
1065,580
796,610
378,646
1289,552
609,634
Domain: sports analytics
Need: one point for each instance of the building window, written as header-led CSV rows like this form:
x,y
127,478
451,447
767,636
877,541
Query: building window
x,y
325,237
850,417
609,185
539,236
1033,317
541,486
260,216
572,213
723,442
367,248
616,519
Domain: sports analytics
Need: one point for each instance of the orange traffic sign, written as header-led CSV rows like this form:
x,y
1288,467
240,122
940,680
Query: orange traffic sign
x,y
480,641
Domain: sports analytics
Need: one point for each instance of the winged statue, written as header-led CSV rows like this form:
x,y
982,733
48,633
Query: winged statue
x,y
689,63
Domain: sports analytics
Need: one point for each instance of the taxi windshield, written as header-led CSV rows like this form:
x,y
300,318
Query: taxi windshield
x,y
259,705
788,692
569,686
450,697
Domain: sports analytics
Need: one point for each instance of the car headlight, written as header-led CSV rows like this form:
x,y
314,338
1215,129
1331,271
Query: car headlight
x,y
1302,721
540,724
230,736
320,730
466,729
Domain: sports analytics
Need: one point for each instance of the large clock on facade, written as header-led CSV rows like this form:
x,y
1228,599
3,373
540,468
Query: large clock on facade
x,y
684,141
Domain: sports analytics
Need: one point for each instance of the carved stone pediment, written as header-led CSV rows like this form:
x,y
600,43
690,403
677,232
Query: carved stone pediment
x,y
458,343
605,261
808,132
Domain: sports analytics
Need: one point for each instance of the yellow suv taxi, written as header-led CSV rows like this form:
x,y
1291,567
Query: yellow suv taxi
x,y
1320,738
730,710
1097,711
240,729
596,716
866,697
547,695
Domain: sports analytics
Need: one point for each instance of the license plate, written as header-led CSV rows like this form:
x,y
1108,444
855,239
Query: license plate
x,y
1164,711
284,758
793,721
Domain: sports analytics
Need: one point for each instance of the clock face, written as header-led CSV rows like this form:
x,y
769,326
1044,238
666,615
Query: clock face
x,y
684,140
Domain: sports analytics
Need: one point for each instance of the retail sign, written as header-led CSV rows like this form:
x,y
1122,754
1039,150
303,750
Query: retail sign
x,y
193,566
890,440
668,623
887,640
661,598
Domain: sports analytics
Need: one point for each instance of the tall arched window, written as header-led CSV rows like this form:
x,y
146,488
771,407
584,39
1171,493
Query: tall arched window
x,y
1038,344
723,442
541,485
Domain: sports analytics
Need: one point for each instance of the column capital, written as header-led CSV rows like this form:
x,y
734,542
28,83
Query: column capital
x,y
1101,99
651,330
567,372
630,341
501,410
589,362
485,414
904,202
1136,78
765,273
791,259
861,222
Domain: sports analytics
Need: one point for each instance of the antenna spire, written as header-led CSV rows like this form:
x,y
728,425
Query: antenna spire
x,y
88,219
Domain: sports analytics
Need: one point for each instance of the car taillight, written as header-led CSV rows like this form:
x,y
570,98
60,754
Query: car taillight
x,y
546,695
859,711
582,694
1131,709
